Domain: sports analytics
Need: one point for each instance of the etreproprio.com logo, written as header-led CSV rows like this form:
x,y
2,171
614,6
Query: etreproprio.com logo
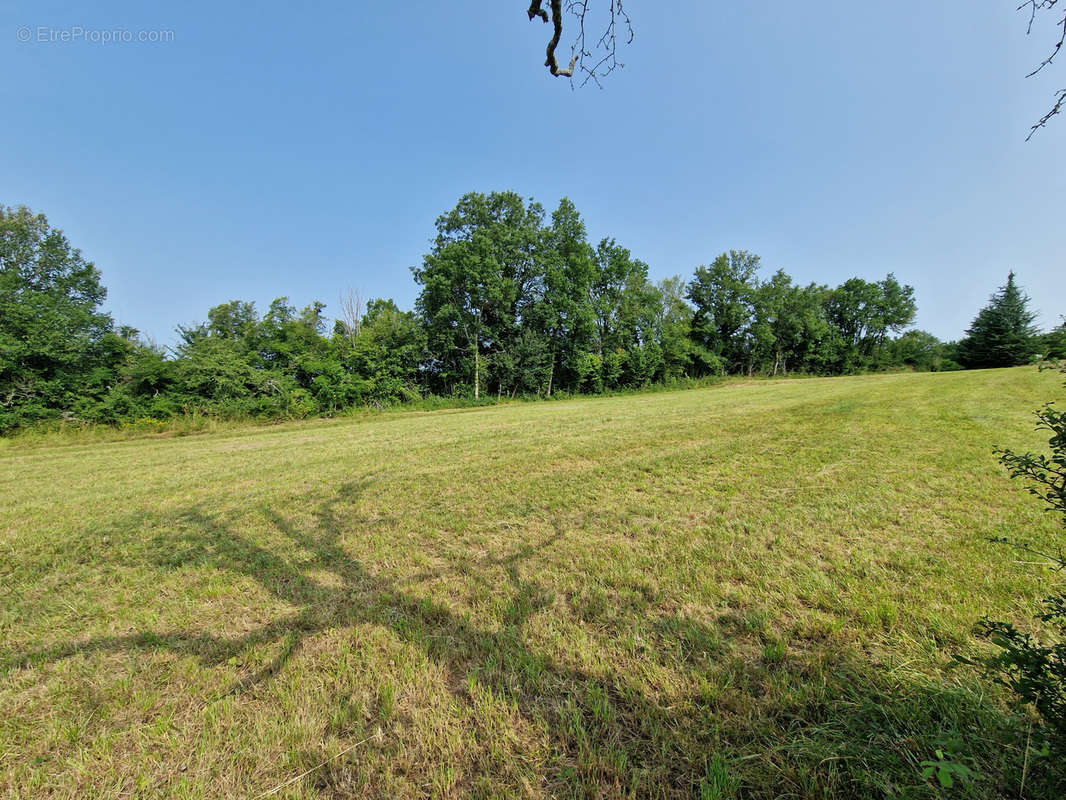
x,y
47,34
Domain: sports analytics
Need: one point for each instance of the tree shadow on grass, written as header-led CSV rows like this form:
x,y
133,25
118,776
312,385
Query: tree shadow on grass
x,y
801,726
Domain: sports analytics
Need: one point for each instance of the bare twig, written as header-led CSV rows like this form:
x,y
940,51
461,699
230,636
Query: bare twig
x,y
281,786
1058,561
351,305
1035,7
581,59
1025,762
1060,98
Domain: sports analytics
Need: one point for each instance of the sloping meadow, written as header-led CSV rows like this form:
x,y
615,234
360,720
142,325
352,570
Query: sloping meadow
x,y
754,590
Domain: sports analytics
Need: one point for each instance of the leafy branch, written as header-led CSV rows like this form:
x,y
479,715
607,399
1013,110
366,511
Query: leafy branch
x,y
1033,668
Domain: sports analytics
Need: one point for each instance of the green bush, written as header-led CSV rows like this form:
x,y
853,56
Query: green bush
x,y
1032,666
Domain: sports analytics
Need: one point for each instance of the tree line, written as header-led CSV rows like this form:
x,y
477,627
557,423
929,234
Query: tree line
x,y
512,302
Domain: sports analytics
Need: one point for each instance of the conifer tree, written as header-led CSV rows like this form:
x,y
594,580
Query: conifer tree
x,y
1002,334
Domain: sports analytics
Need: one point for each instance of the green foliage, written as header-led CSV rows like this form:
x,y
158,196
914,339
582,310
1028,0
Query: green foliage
x,y
563,314
1054,342
742,324
673,329
1045,473
1002,334
724,297
790,326
948,766
920,351
385,353
864,313
626,307
511,304
477,282
51,330
1034,667
138,382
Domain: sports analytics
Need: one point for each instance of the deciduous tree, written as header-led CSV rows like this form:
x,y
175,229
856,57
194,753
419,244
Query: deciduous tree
x,y
477,281
51,326
724,295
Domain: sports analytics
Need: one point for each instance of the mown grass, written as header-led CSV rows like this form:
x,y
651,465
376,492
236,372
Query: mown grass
x,y
748,591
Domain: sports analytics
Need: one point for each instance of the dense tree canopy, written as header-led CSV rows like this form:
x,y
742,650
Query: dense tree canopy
x,y
51,329
480,281
724,298
512,302
1055,341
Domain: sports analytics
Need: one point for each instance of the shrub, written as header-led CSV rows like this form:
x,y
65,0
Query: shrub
x,y
1034,667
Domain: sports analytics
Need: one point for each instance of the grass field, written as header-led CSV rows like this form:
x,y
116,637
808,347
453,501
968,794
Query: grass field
x,y
754,590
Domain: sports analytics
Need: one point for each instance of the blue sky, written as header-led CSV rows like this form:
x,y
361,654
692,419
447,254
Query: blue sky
x,y
302,152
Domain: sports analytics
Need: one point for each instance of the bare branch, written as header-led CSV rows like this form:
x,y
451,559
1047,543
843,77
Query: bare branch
x,y
551,62
1060,99
1044,5
608,41
536,11
605,50
351,305
1035,7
